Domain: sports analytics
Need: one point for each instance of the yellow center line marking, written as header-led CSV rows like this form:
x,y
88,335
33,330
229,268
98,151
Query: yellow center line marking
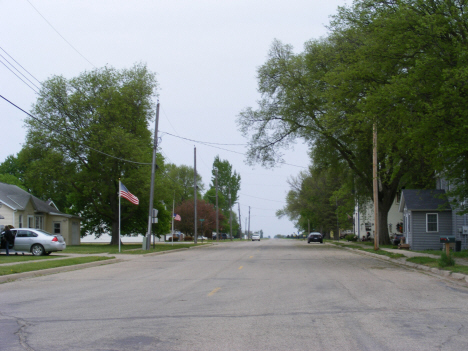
x,y
241,267
214,292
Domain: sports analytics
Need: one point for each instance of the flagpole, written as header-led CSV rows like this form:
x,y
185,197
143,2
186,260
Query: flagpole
x,y
119,215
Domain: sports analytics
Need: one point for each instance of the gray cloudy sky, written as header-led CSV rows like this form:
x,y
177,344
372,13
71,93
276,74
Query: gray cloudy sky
x,y
205,54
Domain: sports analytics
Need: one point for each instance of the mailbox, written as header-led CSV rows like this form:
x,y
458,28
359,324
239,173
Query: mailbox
x,y
447,239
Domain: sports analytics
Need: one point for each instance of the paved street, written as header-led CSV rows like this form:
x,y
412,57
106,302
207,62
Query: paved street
x,y
267,295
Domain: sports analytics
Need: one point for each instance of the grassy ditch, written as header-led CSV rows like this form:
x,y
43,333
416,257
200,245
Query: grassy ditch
x,y
125,249
40,265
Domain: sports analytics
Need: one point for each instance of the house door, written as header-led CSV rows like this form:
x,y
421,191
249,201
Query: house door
x,y
75,237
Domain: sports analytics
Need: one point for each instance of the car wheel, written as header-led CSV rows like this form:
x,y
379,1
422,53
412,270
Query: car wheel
x,y
37,250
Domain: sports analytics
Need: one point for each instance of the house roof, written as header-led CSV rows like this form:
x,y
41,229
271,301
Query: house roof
x,y
424,200
17,199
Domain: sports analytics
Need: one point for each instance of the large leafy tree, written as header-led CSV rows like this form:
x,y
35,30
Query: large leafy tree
x,y
86,134
398,65
228,182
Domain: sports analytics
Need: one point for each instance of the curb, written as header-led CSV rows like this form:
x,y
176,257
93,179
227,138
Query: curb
x,y
38,273
441,272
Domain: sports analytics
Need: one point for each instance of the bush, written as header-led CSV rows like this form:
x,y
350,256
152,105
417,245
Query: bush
x,y
351,237
445,261
188,238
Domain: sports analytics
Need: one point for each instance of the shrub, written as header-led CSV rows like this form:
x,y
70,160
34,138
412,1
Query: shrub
x,y
188,238
351,237
445,261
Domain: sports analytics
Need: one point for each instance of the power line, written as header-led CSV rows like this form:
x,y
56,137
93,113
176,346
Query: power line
x,y
56,31
202,142
3,57
220,148
19,77
20,65
78,142
261,198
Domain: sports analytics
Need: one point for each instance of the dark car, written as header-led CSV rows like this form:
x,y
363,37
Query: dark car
x,y
315,237
397,239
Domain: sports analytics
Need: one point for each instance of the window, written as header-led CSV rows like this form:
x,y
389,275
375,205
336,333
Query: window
x,y
39,222
432,222
57,228
20,221
30,221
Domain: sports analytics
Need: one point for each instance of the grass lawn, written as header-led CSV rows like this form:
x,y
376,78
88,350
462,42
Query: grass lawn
x,y
21,258
125,249
432,262
39,265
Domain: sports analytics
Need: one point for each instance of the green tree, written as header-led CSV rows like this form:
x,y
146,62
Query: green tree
x,y
181,182
228,182
11,179
373,69
83,131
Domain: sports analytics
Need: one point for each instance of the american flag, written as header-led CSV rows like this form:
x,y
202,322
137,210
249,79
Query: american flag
x,y
177,217
128,195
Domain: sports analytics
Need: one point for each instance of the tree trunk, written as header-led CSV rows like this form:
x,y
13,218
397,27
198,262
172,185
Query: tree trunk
x,y
115,230
386,198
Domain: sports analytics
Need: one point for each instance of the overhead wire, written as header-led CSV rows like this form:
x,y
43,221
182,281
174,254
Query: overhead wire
x,y
61,36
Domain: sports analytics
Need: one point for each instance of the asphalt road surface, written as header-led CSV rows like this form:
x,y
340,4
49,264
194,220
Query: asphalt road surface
x,y
267,295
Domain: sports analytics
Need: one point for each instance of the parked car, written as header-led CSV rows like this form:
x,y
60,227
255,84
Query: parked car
x,y
397,239
255,236
37,241
315,237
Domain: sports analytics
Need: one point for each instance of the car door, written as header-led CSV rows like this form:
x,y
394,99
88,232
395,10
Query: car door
x,y
21,240
24,239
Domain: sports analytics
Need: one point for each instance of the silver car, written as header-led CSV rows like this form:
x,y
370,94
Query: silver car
x,y
37,241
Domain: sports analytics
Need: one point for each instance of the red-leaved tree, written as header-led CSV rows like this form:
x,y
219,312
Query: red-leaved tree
x,y
205,211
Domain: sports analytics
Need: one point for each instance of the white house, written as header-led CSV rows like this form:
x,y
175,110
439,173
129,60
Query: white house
x,y
23,210
363,219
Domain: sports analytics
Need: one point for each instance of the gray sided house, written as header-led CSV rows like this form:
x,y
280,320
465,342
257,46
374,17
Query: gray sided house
x,y
427,215
23,210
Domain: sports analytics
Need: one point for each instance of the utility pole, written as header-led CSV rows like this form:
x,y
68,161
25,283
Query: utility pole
x,y
376,191
249,225
230,214
246,228
240,226
308,227
217,220
146,242
195,193
337,223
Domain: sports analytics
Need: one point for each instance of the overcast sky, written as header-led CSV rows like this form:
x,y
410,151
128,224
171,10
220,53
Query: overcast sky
x,y
205,54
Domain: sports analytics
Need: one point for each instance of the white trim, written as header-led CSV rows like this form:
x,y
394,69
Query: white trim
x,y
427,223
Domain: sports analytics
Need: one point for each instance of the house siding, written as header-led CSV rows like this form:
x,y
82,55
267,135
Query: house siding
x,y
8,214
422,240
